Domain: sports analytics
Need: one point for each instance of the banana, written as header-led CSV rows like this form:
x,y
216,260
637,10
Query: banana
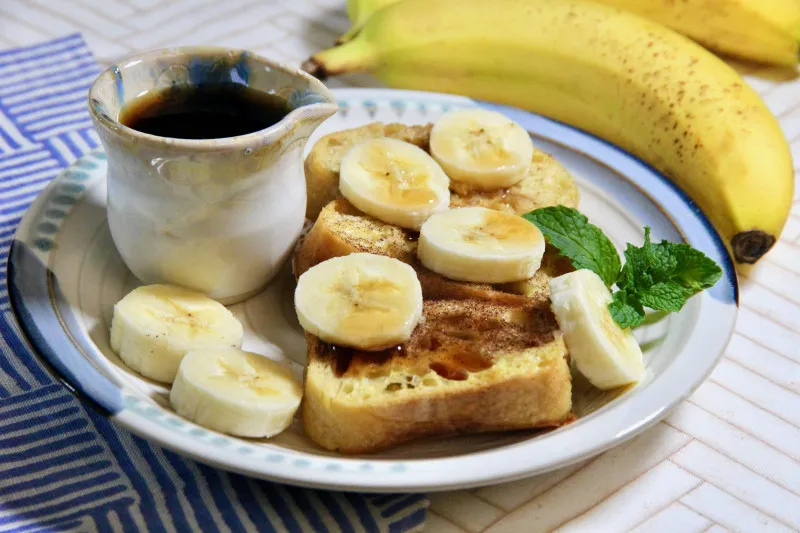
x,y
364,301
758,30
154,326
604,353
766,31
358,11
235,392
623,78
483,149
481,245
394,181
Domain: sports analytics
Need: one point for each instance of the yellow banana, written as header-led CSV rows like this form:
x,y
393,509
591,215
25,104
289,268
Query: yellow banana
x,y
758,30
766,31
358,11
619,76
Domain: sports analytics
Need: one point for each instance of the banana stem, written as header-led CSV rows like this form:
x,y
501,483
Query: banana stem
x,y
352,56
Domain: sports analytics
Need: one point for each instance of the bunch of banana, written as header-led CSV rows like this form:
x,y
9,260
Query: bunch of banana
x,y
767,31
623,78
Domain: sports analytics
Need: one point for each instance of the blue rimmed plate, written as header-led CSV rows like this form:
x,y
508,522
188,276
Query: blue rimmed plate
x,y
65,276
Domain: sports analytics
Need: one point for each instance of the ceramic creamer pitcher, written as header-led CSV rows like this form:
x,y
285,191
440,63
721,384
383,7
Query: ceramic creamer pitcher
x,y
216,215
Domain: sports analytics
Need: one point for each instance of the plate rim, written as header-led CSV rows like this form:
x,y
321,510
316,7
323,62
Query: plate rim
x,y
403,477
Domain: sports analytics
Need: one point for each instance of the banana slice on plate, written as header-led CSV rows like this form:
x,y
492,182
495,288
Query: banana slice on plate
x,y
394,181
483,149
156,325
364,301
236,392
481,245
606,354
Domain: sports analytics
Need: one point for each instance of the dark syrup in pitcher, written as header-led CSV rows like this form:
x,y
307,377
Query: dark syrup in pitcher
x,y
204,111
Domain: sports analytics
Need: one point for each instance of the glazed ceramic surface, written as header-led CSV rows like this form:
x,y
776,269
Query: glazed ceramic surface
x,y
189,211
65,276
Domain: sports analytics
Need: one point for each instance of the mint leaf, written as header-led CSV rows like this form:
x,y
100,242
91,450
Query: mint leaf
x,y
664,296
626,310
663,276
660,276
637,271
583,243
693,267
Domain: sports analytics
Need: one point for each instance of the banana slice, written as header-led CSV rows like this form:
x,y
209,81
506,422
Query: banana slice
x,y
235,392
365,301
483,149
606,354
154,326
394,181
481,245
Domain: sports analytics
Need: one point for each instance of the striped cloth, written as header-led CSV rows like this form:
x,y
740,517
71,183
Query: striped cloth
x,y
64,467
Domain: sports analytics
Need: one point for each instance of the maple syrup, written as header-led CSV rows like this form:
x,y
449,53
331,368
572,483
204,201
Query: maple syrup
x,y
345,357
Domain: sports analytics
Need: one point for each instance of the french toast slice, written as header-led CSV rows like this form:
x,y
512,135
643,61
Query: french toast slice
x,y
547,183
482,359
470,366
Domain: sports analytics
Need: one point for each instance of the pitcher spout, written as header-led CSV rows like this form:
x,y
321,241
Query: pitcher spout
x,y
311,104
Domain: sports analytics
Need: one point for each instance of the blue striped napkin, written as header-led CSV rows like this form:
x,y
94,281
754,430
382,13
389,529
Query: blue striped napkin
x,y
64,467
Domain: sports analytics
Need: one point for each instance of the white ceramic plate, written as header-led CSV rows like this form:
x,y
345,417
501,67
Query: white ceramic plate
x,y
65,276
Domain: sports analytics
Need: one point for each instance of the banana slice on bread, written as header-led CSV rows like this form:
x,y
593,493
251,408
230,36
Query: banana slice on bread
x,y
481,148
546,182
394,181
364,301
606,354
154,326
236,392
481,245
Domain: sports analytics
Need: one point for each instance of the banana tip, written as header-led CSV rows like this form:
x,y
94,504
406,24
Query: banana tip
x,y
315,68
749,246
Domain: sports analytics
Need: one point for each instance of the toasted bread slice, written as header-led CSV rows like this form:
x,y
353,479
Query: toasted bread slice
x,y
471,366
341,229
482,359
547,183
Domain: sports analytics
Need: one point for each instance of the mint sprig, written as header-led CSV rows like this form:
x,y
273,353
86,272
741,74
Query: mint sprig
x,y
660,276
626,310
583,243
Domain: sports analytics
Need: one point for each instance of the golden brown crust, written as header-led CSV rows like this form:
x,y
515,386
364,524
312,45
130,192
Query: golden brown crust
x,y
341,229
